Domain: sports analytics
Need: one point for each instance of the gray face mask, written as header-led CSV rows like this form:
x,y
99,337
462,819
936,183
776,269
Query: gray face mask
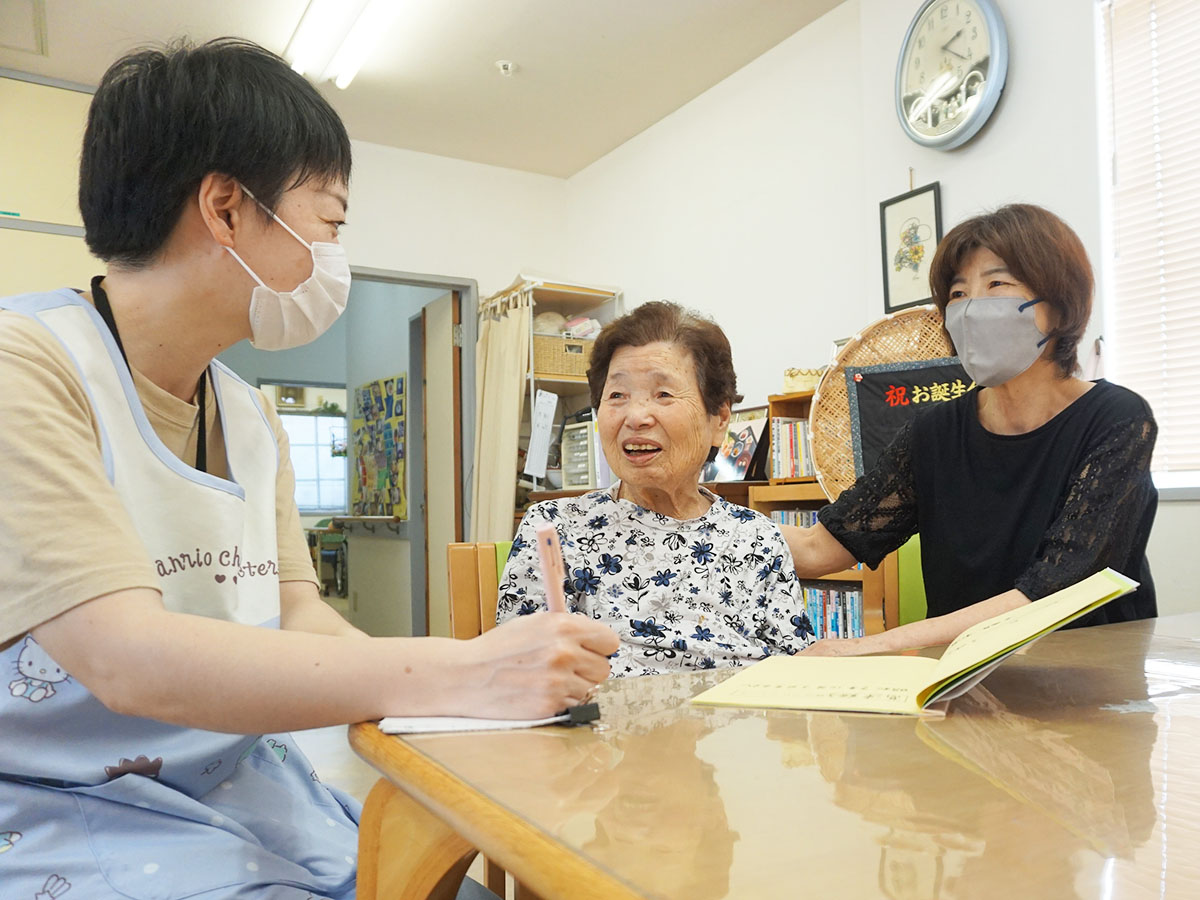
x,y
997,338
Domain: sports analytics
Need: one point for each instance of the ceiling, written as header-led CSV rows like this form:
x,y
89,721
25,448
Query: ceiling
x,y
591,73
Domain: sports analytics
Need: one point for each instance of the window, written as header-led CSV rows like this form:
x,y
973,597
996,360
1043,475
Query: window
x,y
320,476
1151,65
315,422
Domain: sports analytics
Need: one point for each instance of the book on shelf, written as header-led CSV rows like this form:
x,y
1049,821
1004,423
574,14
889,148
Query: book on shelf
x,y
791,448
833,611
801,518
909,685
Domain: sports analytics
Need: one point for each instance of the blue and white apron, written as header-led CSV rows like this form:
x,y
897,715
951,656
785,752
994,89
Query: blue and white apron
x,y
94,804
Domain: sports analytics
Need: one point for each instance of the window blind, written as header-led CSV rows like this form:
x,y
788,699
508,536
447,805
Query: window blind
x,y
1152,49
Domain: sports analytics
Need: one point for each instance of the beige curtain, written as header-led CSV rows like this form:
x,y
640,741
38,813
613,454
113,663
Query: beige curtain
x,y
501,362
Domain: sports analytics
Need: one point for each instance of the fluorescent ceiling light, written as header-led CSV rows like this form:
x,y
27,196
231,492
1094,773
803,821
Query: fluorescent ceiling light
x,y
334,37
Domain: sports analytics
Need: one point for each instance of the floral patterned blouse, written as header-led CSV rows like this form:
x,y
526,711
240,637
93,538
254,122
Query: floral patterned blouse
x,y
718,590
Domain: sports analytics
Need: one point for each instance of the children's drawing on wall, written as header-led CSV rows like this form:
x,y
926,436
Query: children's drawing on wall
x,y
377,434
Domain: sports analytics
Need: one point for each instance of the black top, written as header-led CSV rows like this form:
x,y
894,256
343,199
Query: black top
x,y
1036,511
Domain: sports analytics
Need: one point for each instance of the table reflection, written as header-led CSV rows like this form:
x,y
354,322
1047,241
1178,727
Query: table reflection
x,y
1052,780
1080,769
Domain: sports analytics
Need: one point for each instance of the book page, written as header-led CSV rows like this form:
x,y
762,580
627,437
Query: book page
x,y
981,643
885,684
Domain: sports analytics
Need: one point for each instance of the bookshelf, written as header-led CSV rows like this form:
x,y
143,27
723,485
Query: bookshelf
x,y
556,363
880,588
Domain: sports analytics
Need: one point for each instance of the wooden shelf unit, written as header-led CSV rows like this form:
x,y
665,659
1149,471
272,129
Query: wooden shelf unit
x,y
792,406
568,300
881,604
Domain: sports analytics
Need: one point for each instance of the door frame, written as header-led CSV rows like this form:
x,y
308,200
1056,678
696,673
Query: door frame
x,y
466,313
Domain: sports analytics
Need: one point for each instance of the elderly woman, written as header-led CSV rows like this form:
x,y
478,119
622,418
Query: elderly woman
x,y
686,579
1022,487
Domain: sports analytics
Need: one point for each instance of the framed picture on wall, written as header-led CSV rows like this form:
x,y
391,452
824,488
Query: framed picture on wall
x,y
910,227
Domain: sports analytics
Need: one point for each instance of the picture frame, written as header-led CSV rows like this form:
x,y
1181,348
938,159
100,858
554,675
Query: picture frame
x,y
910,228
290,396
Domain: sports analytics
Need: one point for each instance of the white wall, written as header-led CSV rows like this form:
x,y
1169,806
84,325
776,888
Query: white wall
x,y
1173,558
747,204
414,212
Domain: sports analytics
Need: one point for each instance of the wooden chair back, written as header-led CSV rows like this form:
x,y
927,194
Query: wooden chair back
x,y
473,583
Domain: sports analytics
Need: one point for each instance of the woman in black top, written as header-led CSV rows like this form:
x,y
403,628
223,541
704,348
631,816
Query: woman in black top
x,y
1026,485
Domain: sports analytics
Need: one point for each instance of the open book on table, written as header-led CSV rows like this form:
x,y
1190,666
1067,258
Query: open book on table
x,y
909,684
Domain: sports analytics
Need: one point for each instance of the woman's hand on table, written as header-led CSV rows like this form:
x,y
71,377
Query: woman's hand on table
x,y
537,665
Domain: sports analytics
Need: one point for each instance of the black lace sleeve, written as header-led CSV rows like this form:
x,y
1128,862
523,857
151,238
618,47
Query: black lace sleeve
x,y
1102,513
877,513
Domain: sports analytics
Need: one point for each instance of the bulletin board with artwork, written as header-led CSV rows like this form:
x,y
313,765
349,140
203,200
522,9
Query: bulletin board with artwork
x,y
379,435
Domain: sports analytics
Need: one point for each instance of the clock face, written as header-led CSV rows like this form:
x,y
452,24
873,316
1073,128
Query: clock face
x,y
951,71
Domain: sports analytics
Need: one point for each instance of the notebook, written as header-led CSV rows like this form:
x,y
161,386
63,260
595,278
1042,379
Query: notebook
x,y
908,685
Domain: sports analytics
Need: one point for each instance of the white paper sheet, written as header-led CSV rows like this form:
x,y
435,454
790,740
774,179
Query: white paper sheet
x,y
435,724
544,405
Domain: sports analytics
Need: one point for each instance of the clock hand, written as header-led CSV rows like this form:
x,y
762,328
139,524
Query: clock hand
x,y
955,37
956,53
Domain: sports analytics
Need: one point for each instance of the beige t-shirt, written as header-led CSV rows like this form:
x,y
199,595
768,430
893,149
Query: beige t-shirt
x,y
65,537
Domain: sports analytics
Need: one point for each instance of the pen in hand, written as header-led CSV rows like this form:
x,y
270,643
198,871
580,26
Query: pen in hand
x,y
550,555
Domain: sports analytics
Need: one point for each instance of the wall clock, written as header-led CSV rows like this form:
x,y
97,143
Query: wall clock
x,y
951,71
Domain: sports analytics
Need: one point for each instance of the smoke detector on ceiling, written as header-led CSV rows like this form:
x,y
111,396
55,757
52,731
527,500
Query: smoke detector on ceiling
x,y
507,67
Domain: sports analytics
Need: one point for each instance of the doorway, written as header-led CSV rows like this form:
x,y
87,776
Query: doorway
x,y
439,321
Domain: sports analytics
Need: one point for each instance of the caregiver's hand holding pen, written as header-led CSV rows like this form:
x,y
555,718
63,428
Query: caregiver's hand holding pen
x,y
573,650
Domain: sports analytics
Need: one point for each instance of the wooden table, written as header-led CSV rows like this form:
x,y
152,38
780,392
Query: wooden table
x,y
1074,770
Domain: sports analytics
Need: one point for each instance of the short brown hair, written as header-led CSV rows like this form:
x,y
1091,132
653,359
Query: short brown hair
x,y
1044,254
670,322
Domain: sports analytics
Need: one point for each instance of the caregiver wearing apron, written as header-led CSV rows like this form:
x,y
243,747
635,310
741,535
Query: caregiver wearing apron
x,y
160,623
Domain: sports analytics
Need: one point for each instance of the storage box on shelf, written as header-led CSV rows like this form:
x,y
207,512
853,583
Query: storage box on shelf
x,y
578,457
880,587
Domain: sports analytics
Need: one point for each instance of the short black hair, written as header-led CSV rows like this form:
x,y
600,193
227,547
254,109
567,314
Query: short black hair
x,y
164,118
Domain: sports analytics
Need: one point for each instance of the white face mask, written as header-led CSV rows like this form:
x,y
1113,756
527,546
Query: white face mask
x,y
997,338
280,320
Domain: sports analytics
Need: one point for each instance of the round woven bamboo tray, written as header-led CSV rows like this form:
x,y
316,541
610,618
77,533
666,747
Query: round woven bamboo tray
x,y
910,335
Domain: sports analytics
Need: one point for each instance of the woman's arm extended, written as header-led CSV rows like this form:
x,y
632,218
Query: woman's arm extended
x,y
302,609
815,551
140,659
925,633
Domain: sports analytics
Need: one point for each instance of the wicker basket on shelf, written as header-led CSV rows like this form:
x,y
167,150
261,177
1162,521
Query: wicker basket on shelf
x,y
555,354
906,336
